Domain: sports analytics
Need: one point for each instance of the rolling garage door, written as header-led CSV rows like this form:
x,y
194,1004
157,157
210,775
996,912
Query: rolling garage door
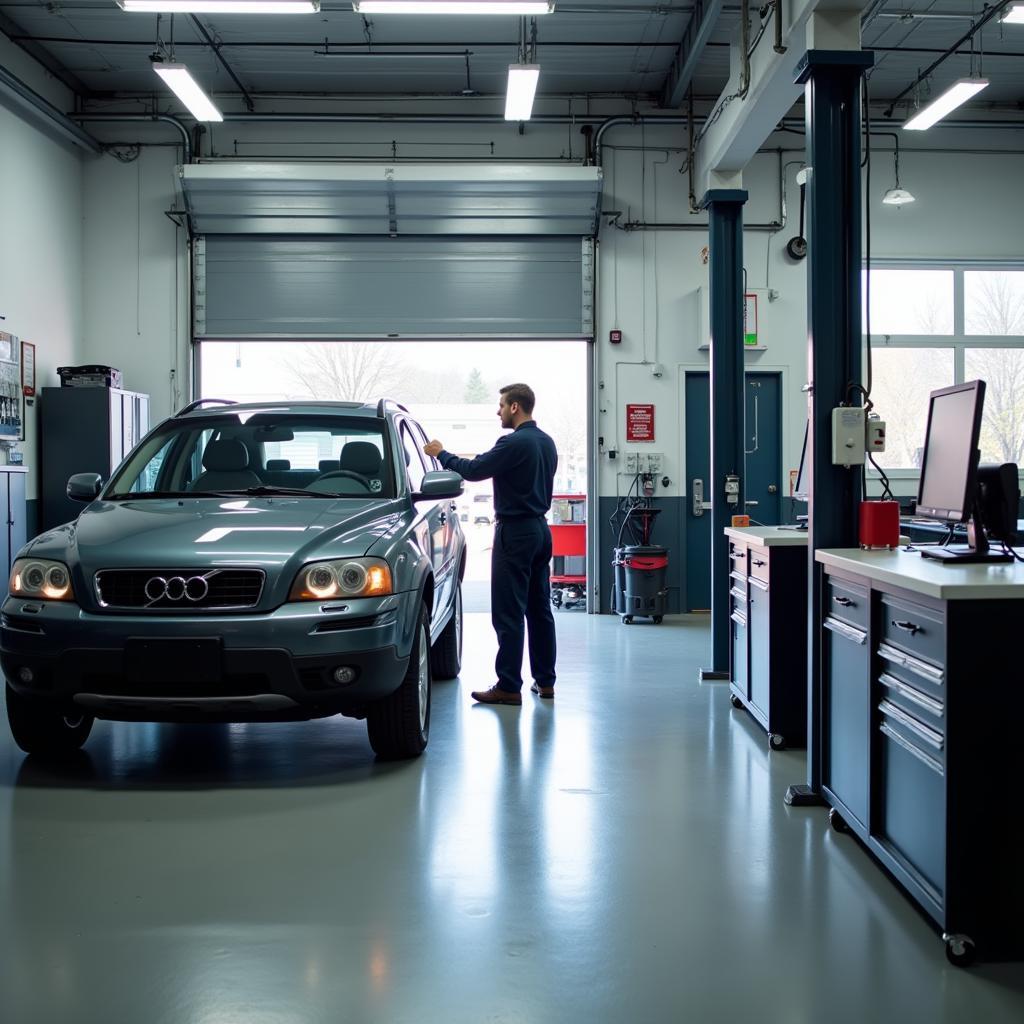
x,y
475,251
252,287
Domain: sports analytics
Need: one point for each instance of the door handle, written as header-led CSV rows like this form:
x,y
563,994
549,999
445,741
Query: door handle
x,y
443,518
700,506
751,503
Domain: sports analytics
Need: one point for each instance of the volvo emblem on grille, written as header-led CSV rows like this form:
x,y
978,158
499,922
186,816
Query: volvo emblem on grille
x,y
178,588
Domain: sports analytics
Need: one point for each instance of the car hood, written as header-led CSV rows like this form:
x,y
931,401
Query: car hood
x,y
265,532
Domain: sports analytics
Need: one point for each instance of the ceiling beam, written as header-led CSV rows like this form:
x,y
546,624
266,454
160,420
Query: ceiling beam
x,y
689,51
314,43
215,46
17,35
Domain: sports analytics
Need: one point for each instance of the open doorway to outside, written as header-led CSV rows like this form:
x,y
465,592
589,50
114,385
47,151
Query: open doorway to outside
x,y
450,387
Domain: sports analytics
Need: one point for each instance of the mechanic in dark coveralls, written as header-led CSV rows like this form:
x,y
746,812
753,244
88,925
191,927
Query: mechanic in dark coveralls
x,y
522,465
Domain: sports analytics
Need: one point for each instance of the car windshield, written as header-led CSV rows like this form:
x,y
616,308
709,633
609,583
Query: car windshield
x,y
263,453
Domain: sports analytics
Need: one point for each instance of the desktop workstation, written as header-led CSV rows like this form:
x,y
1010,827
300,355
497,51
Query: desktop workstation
x,y
920,693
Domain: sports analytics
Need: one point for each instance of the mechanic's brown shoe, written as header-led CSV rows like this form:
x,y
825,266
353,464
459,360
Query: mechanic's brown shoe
x,y
496,696
547,692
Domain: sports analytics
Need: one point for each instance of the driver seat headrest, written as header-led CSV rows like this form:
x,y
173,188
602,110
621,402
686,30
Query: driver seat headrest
x,y
361,457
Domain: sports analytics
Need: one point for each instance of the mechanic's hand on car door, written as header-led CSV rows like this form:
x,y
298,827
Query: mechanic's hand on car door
x,y
433,449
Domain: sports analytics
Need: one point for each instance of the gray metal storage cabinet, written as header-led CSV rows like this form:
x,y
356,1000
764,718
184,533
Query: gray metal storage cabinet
x,y
12,502
83,430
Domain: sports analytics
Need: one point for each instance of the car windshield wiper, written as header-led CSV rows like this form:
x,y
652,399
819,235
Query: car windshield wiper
x,y
264,490
139,495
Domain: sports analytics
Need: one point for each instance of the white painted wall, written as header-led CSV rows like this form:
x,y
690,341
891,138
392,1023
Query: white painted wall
x,y
652,285
134,276
41,254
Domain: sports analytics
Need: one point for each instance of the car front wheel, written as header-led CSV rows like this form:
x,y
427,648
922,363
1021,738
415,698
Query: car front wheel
x,y
46,730
399,725
446,654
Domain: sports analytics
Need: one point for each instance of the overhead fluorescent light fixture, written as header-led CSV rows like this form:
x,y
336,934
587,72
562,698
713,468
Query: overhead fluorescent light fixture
x,y
522,86
185,87
897,197
516,7
1015,15
221,6
957,94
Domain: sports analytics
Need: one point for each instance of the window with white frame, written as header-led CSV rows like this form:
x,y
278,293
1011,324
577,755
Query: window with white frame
x,y
936,325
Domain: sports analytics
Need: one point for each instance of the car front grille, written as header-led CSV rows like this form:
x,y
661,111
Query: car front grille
x,y
179,590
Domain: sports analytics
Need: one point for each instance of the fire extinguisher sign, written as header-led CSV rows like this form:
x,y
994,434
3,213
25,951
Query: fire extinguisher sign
x,y
639,423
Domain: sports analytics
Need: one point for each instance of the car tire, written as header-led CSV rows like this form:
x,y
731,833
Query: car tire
x,y
446,654
399,726
44,729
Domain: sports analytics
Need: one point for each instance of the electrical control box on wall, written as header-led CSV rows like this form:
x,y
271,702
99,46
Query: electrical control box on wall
x,y
848,436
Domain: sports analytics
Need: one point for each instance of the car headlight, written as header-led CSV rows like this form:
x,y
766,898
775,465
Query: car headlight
x,y
346,577
40,578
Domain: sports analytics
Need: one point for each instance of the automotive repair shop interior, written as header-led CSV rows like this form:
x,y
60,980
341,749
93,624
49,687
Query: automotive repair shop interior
x,y
763,267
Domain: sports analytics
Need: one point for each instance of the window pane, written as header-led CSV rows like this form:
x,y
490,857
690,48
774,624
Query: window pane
x,y
994,302
903,379
1002,428
910,301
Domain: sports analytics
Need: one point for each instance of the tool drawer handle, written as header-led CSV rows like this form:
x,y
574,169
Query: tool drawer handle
x,y
844,601
757,561
907,627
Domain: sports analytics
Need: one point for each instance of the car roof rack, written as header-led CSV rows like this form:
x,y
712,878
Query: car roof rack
x,y
384,402
202,401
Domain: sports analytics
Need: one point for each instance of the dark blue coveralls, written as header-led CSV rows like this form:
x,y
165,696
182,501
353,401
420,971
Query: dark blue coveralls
x,y
522,465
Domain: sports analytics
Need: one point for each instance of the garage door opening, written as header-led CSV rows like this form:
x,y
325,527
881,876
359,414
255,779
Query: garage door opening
x,y
451,388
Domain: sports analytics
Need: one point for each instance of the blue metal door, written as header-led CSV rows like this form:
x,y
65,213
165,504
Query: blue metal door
x,y
762,472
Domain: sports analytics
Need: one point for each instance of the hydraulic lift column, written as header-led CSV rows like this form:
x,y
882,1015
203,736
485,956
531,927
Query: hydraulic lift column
x,y
725,229
832,81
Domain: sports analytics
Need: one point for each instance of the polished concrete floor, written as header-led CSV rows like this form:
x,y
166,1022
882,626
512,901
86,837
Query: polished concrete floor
x,y
623,854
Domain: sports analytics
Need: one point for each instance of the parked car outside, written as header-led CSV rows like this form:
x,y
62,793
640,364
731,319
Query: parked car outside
x,y
230,570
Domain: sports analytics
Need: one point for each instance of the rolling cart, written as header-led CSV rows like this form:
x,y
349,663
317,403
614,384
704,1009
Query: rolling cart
x,y
568,550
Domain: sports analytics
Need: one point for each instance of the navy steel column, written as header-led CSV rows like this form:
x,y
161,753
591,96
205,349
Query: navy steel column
x,y
725,217
832,80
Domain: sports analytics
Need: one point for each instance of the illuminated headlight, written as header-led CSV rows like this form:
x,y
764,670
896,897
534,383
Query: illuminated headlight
x,y
38,578
350,577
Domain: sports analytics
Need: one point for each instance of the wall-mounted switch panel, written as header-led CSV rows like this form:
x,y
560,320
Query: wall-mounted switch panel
x,y
848,436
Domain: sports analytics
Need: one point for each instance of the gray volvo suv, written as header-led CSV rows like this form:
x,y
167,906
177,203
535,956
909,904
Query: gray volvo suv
x,y
244,563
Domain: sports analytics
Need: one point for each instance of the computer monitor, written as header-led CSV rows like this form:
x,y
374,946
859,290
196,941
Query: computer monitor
x,y
948,490
800,489
999,501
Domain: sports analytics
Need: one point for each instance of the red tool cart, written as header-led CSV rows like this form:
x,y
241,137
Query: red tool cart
x,y
568,550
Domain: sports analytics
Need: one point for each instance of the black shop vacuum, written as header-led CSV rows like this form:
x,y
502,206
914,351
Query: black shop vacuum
x,y
640,569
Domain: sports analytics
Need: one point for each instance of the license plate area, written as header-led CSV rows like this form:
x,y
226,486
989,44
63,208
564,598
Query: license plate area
x,y
184,660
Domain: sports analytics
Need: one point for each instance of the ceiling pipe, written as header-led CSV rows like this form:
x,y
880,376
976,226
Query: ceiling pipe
x,y
603,125
186,141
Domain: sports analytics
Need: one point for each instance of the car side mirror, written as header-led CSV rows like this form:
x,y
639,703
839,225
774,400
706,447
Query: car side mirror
x,y
84,486
439,484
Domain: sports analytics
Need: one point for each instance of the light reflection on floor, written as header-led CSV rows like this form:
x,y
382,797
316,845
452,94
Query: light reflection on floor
x,y
621,854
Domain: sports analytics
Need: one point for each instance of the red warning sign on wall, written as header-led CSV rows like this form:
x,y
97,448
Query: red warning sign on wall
x,y
639,423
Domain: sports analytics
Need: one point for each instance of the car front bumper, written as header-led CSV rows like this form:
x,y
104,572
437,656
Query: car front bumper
x,y
270,666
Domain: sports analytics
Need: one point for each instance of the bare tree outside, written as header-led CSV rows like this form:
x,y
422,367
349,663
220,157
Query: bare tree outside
x,y
994,307
994,303
903,380
346,372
